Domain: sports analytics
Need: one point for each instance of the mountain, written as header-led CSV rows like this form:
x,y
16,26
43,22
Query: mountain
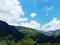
x,y
23,34
41,36
7,30
50,33
57,32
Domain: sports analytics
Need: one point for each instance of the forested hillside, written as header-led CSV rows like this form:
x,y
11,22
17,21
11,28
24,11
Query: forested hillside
x,y
17,35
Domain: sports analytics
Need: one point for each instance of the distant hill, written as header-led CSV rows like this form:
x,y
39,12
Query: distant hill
x,y
50,33
40,36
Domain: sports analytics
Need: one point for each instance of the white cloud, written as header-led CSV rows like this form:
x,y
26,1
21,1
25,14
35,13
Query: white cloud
x,y
11,11
32,24
47,9
33,15
52,25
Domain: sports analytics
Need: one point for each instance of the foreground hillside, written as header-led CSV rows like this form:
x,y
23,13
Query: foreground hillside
x,y
17,35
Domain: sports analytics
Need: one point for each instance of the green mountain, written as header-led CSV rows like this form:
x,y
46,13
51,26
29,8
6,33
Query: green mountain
x,y
18,35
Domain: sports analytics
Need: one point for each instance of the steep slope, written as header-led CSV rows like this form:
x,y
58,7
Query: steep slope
x,y
6,30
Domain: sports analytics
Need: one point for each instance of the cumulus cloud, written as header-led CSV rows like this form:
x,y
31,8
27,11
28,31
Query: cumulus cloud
x,y
33,15
32,24
52,25
11,11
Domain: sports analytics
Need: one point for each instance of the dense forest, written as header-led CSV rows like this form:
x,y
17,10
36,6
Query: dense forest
x,y
17,35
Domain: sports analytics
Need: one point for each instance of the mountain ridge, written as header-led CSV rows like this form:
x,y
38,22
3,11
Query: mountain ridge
x,y
18,33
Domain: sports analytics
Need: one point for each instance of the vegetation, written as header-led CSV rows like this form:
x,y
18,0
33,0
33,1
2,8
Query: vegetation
x,y
28,39
25,36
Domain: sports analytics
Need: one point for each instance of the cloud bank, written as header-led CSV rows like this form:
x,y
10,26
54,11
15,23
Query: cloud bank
x,y
32,24
11,11
52,25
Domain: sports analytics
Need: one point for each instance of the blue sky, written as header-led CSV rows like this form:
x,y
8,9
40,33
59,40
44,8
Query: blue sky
x,y
37,6
37,14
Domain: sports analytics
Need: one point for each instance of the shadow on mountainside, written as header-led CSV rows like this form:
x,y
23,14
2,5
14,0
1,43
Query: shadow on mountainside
x,y
41,38
6,30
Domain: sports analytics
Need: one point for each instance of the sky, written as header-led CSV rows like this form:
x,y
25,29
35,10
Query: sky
x,y
37,14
